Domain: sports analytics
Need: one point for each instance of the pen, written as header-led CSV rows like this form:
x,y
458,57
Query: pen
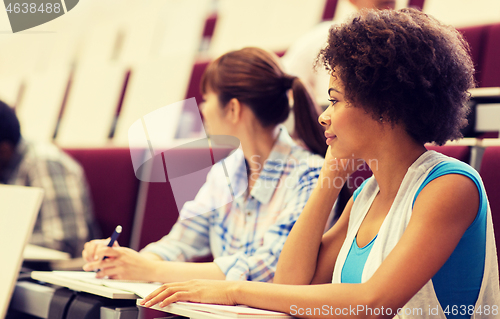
x,y
114,237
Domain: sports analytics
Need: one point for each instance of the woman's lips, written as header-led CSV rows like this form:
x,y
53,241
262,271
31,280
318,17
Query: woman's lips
x,y
330,138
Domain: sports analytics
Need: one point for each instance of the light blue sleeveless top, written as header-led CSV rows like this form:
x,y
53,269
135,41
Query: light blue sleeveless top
x,y
458,282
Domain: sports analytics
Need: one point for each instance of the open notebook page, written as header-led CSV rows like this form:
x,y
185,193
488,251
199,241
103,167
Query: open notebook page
x,y
201,310
140,288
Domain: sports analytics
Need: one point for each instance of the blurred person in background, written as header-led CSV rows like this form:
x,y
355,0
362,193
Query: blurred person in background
x,y
65,221
299,58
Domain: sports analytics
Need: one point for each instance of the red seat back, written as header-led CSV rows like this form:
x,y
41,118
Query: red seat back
x,y
490,173
491,63
417,4
194,83
113,187
476,37
330,8
160,211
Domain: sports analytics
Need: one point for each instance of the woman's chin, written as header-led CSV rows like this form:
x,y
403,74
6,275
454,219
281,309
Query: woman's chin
x,y
335,152
338,154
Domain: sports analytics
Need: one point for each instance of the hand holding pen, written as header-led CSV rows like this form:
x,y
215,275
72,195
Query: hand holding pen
x,y
91,248
114,237
116,262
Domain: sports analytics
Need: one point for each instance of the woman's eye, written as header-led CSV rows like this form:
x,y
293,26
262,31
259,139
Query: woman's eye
x,y
332,101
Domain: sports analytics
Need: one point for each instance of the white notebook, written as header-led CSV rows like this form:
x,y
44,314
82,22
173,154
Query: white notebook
x,y
201,311
86,282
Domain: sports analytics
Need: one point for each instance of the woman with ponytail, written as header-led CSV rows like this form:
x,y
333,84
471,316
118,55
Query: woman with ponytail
x,y
246,95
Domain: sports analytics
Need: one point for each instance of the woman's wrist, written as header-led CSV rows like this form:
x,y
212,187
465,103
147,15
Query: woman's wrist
x,y
156,270
150,255
235,291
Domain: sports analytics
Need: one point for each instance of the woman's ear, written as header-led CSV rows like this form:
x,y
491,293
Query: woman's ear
x,y
234,110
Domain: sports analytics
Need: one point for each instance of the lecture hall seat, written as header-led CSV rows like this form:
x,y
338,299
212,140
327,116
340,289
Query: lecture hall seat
x,y
490,173
476,37
329,11
160,213
113,187
417,4
158,209
194,82
208,29
490,76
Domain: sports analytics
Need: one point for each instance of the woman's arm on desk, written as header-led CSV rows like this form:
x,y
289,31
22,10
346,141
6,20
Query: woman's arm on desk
x,y
125,263
438,216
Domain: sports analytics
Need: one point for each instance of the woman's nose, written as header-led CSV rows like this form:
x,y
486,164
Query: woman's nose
x,y
324,119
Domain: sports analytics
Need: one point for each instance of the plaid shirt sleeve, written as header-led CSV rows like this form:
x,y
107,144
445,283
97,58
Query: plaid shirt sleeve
x,y
66,212
189,238
261,265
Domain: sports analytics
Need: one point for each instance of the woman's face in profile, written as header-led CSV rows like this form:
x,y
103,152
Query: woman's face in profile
x,y
348,128
213,114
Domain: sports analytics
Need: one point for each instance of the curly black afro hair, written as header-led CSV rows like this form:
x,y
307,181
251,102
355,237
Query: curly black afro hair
x,y
406,67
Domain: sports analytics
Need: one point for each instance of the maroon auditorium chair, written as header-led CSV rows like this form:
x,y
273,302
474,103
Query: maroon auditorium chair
x,y
194,83
417,4
329,11
159,209
490,173
113,187
490,76
476,37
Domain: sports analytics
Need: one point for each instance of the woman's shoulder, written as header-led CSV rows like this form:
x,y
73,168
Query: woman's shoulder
x,y
452,166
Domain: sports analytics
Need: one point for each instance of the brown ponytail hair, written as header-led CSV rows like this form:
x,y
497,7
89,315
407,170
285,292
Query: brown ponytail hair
x,y
253,76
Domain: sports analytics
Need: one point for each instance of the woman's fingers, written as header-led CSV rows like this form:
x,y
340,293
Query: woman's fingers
x,y
89,251
177,296
158,295
209,291
108,252
102,263
91,248
111,271
166,291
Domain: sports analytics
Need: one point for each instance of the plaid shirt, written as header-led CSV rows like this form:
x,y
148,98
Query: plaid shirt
x,y
247,235
66,212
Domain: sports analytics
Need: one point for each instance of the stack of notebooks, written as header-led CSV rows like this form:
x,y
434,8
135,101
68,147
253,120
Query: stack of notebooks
x,y
120,289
